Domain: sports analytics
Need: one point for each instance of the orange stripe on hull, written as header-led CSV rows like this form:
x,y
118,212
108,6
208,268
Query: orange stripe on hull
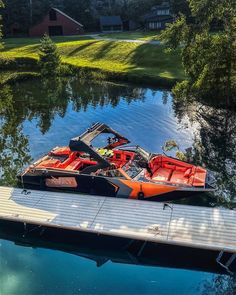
x,y
148,189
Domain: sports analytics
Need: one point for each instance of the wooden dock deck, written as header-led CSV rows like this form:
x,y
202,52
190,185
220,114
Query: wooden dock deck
x,y
191,226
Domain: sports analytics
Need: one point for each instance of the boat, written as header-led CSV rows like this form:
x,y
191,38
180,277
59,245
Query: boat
x,y
116,169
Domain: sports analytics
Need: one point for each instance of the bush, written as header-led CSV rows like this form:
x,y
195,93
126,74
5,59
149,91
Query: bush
x,y
20,63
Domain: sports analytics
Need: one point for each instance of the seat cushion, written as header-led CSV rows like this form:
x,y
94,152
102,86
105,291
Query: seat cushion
x,y
74,165
162,174
178,177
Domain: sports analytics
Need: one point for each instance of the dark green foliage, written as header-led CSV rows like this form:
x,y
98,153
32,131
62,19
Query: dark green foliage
x,y
49,58
16,17
1,6
180,6
136,9
20,15
209,59
82,11
21,63
11,139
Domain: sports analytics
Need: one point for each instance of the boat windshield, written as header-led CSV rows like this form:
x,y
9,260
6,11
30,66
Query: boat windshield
x,y
132,169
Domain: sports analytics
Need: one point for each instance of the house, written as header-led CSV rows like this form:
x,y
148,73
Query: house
x,y
56,23
111,24
158,17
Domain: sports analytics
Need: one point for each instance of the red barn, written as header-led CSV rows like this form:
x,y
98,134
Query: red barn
x,y
56,23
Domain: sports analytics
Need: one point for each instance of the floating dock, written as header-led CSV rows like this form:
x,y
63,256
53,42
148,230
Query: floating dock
x,y
211,229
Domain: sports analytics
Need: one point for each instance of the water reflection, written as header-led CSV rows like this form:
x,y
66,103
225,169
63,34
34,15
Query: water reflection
x,y
77,259
14,150
35,116
220,285
43,101
139,113
214,144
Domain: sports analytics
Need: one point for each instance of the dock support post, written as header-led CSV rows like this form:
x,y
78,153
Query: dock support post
x,y
26,231
228,263
141,248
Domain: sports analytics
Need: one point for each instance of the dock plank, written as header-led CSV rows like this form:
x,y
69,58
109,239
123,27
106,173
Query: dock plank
x,y
192,226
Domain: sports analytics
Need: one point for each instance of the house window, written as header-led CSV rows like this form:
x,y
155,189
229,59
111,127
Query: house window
x,y
53,15
151,25
163,12
154,25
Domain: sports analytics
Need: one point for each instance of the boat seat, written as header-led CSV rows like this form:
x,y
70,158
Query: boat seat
x,y
179,177
74,165
199,178
162,174
50,163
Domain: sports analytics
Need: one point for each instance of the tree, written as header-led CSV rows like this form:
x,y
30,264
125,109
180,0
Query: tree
x,y
209,59
17,15
14,145
81,11
180,6
49,58
1,6
136,9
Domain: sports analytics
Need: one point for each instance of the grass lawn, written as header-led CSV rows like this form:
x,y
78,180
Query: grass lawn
x,y
145,36
133,60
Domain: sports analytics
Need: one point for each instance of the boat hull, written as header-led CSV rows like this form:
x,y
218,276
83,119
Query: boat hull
x,y
108,187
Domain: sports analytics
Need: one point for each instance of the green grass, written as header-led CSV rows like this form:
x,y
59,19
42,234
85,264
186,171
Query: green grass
x,y
12,43
142,62
7,77
144,36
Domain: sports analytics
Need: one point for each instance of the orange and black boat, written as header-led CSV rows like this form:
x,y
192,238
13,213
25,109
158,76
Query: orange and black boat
x,y
115,170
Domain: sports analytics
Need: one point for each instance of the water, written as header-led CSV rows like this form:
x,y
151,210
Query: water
x,y
34,117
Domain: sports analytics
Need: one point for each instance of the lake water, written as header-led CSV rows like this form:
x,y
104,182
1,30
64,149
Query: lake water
x,y
34,117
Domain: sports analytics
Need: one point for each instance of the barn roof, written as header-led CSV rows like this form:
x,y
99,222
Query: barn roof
x,y
110,20
67,16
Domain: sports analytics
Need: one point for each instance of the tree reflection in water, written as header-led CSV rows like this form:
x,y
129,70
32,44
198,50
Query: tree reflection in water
x,y
214,144
220,285
43,101
14,151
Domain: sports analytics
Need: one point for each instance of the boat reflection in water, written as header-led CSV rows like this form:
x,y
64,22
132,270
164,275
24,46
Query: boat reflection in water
x,y
102,249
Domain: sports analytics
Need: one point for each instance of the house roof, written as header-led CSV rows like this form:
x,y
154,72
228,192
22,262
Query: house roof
x,y
67,16
110,20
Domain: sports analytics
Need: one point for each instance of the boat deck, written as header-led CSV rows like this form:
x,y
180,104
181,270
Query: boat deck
x,y
191,226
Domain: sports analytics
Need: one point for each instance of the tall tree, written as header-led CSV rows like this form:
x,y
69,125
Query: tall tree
x,y
180,6
81,11
21,14
1,6
209,58
16,16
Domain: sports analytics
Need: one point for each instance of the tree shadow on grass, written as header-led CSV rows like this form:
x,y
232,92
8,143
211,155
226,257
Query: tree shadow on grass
x,y
80,48
12,44
155,60
102,52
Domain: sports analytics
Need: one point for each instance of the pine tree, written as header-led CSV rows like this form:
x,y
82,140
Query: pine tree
x,y
49,58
